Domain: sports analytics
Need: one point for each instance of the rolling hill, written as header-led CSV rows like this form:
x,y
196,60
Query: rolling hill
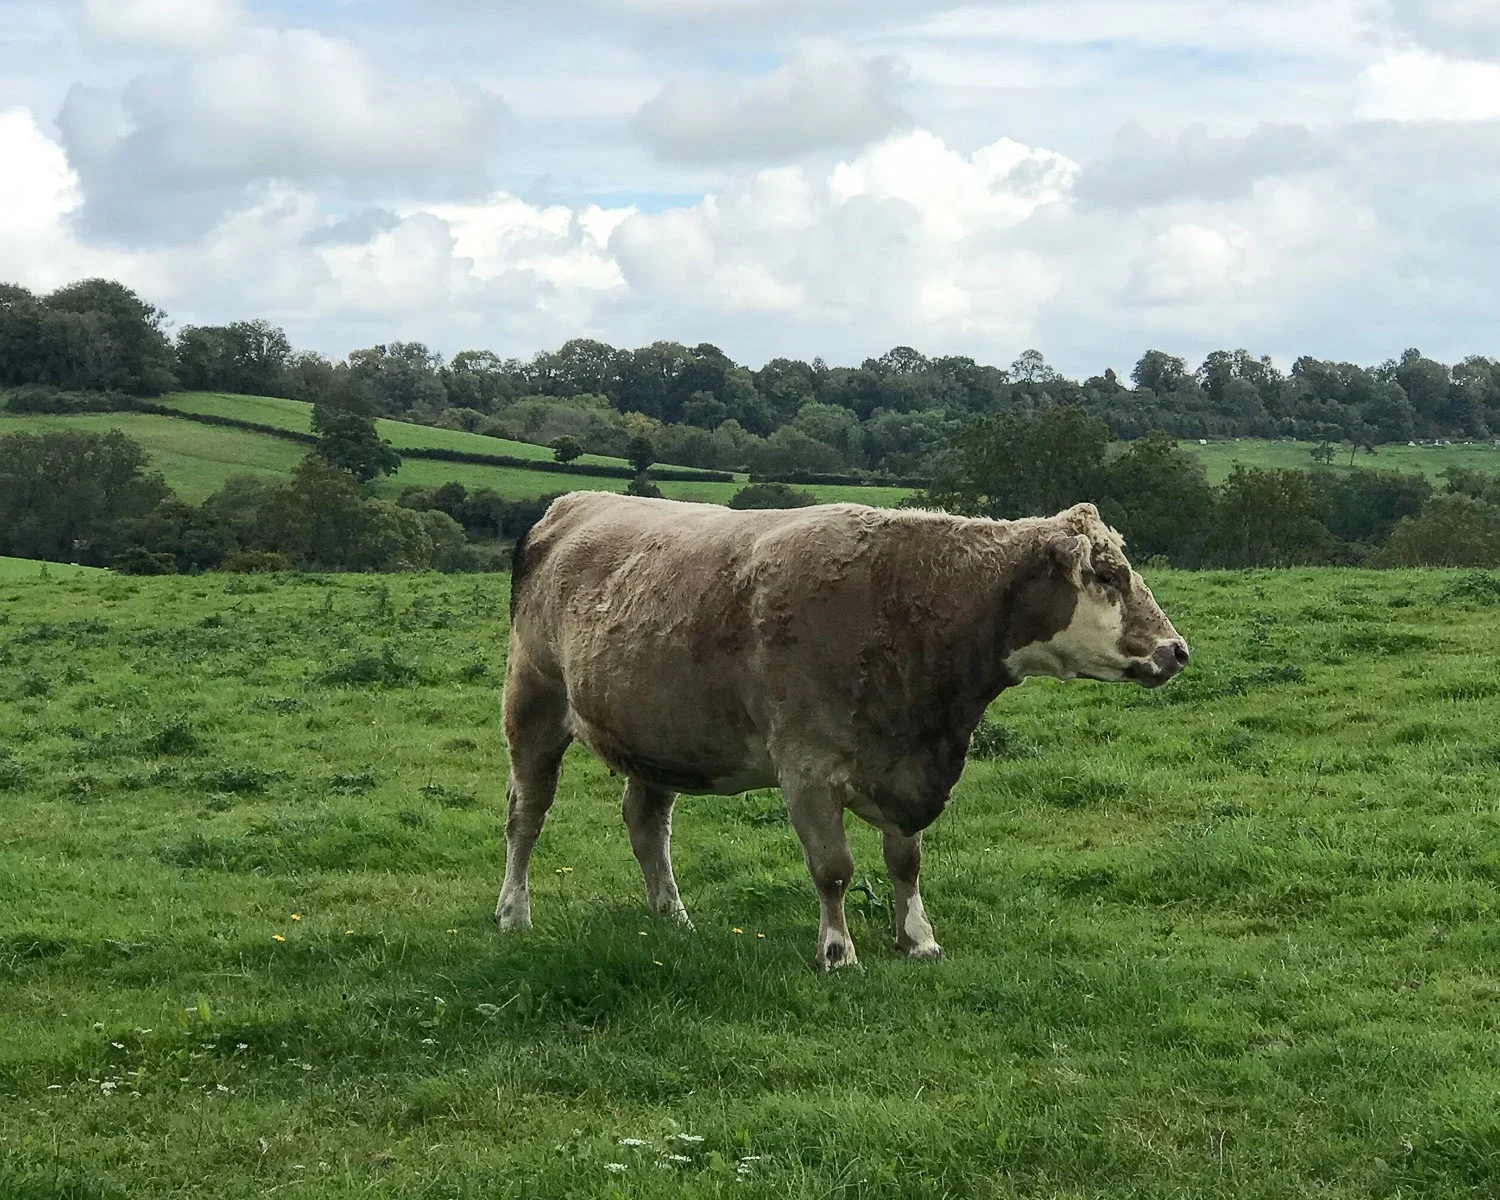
x,y
196,458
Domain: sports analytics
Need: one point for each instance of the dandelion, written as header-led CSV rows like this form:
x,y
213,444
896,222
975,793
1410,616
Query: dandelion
x,y
296,916
642,933
657,961
761,936
736,931
631,1142
276,937
347,932
452,931
615,1168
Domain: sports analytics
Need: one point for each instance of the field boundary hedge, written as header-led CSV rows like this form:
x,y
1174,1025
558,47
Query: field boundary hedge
x,y
66,402
835,480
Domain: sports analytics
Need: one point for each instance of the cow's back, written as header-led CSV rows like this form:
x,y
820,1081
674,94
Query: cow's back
x,y
664,620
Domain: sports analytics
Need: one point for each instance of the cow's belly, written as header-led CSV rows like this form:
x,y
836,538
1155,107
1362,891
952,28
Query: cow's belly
x,y
693,756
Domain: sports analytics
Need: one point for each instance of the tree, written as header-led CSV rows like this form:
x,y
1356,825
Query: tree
x,y
1014,466
63,494
347,438
1031,367
1160,499
1267,518
640,453
566,448
1323,452
1453,530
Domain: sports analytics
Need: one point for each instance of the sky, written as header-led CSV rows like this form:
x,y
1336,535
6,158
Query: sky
x,y
1091,178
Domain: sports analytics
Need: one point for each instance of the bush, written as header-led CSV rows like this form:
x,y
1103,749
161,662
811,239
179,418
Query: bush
x,y
641,485
254,562
771,495
1453,530
38,399
137,560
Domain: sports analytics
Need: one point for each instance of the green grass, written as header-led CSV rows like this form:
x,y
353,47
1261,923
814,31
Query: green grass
x,y
1234,937
197,459
297,415
30,568
1218,456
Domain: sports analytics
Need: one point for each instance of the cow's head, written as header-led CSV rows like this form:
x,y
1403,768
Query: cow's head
x,y
1079,611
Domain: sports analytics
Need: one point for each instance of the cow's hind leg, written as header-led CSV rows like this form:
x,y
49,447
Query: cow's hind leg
x,y
903,859
818,819
648,818
536,733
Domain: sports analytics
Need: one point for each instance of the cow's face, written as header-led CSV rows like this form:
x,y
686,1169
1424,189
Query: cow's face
x,y
1084,613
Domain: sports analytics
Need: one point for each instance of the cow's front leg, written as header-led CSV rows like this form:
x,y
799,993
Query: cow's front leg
x,y
903,859
819,821
648,819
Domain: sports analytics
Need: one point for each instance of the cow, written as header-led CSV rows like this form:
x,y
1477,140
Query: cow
x,y
841,652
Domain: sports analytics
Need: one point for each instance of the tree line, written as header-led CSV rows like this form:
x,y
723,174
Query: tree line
x,y
891,416
1012,465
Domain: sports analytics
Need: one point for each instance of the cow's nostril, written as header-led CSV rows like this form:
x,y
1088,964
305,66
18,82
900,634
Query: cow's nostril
x,y
1181,651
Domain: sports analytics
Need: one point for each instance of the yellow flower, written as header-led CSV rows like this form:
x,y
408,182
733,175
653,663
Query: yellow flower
x,y
296,916
452,931
643,933
657,961
276,937
351,931
736,931
760,935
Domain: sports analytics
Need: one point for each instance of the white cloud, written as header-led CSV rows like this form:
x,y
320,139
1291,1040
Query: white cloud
x,y
812,103
175,151
38,194
175,24
909,238
1419,85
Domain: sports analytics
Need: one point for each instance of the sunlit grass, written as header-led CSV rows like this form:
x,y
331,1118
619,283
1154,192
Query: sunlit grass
x,y
1234,937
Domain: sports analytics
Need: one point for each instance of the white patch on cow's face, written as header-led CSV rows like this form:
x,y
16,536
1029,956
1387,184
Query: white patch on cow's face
x,y
1089,646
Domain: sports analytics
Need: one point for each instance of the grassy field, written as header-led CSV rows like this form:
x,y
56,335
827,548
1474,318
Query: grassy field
x,y
1234,937
29,568
197,459
1431,461
297,415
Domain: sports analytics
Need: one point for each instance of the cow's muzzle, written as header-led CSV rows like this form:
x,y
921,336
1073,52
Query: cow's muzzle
x,y
1166,660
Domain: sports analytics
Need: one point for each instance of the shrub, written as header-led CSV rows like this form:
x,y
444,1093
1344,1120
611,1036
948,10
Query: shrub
x,y
137,560
771,495
1453,530
254,562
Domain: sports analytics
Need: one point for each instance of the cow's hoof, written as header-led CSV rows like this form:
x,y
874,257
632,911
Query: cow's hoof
x,y
836,955
927,951
509,921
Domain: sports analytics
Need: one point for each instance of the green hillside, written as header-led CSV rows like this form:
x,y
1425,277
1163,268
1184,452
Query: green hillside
x,y
297,415
13,570
196,459
1218,457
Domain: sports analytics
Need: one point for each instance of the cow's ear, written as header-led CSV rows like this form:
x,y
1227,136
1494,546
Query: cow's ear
x,y
1076,554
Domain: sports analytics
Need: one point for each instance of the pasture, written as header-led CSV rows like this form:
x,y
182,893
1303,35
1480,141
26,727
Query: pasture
x,y
1219,456
1234,937
196,459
